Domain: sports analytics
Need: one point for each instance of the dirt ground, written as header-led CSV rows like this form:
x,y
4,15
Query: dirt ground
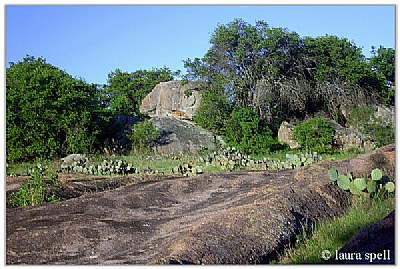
x,y
230,218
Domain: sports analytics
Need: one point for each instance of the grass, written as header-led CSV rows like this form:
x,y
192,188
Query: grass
x,y
332,235
165,164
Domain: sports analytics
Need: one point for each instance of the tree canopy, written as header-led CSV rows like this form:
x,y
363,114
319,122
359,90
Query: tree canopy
x,y
48,112
280,75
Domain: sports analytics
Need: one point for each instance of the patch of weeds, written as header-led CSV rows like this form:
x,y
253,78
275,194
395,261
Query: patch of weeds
x,y
36,190
333,234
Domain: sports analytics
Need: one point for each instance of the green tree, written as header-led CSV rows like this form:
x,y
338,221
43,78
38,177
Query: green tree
x,y
127,90
383,63
48,112
280,75
213,111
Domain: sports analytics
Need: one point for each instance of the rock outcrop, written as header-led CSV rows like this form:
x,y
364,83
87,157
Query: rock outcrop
x,y
172,98
171,105
182,136
285,134
230,218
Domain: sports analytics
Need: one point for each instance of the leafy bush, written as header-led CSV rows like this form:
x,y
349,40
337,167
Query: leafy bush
x,y
213,111
314,134
245,132
49,113
143,134
380,132
360,116
36,190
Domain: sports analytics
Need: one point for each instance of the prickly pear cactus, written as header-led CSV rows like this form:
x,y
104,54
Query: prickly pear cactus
x,y
360,183
333,174
343,182
376,174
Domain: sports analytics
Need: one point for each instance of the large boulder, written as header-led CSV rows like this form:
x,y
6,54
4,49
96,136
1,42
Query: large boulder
x,y
172,98
182,136
285,134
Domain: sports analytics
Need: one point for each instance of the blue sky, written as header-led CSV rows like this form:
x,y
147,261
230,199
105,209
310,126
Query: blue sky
x,y
91,41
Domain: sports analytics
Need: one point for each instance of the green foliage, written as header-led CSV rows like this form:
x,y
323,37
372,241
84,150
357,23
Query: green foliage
x,y
245,132
187,93
280,75
213,111
376,186
333,234
379,131
143,134
360,116
314,134
383,64
36,190
48,112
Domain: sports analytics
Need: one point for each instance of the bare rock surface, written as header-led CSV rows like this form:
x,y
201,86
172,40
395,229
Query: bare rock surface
x,y
182,136
172,98
285,134
230,218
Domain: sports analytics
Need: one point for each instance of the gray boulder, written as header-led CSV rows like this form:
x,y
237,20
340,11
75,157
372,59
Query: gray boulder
x,y
182,136
74,158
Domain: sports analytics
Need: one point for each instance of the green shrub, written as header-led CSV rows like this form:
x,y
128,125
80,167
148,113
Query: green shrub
x,y
36,190
314,134
187,93
213,111
143,134
245,132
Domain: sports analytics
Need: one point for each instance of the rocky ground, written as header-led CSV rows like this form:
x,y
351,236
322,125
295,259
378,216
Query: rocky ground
x,y
231,218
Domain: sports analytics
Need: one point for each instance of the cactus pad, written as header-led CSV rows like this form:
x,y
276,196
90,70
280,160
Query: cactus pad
x,y
360,183
343,182
376,174
333,174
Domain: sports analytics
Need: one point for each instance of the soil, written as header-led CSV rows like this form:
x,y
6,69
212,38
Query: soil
x,y
230,218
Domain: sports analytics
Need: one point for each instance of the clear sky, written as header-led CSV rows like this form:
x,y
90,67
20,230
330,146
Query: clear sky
x,y
91,41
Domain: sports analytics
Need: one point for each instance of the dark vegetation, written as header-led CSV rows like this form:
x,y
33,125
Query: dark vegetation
x,y
256,77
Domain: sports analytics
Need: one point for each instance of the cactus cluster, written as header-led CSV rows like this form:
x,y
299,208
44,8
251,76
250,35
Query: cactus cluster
x,y
107,167
231,159
187,169
357,186
294,161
